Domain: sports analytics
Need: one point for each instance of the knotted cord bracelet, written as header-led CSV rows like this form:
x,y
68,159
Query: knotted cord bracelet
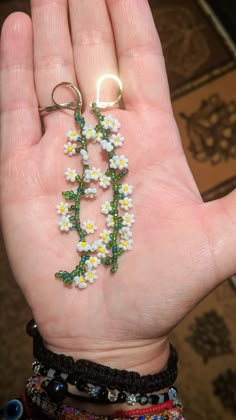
x,y
89,372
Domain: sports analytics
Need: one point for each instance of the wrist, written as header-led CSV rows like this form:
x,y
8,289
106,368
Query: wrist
x,y
145,358
106,381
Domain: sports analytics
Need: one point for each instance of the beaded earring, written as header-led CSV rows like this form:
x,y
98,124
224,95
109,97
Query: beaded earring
x,y
116,237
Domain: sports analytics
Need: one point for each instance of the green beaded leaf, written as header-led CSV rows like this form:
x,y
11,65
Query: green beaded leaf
x,y
69,195
68,281
65,276
122,174
108,172
106,260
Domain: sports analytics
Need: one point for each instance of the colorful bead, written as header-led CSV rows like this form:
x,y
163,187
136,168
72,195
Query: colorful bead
x,y
13,410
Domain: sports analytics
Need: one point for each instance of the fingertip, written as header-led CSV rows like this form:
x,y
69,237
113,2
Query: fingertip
x,y
15,24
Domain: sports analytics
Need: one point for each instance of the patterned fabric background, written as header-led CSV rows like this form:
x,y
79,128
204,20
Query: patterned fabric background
x,y
201,67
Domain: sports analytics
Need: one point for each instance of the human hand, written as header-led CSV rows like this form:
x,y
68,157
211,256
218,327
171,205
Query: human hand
x,y
183,248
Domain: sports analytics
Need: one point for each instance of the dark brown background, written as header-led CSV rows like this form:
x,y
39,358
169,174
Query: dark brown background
x,y
200,62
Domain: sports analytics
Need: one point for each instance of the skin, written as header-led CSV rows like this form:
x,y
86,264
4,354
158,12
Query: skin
x,y
183,248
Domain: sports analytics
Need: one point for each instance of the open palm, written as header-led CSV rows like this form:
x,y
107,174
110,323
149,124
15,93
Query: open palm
x,y
182,247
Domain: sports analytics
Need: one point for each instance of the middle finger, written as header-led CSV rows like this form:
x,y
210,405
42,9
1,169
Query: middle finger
x,y
93,45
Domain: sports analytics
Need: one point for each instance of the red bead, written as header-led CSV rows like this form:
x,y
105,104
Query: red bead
x,y
150,410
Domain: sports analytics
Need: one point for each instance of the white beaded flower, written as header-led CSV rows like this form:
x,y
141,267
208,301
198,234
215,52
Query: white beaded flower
x,y
80,282
117,140
106,145
126,244
89,226
87,175
70,174
90,276
72,135
104,181
106,207
95,173
93,262
110,220
126,189
125,232
70,148
89,132
118,162
65,224
90,192
105,235
115,125
62,208
128,219
85,156
108,122
97,138
126,203
101,249
83,246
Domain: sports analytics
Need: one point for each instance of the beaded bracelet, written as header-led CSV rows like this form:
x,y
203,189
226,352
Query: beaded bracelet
x,y
56,387
62,411
84,371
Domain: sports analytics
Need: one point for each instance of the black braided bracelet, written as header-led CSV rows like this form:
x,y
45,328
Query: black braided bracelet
x,y
85,371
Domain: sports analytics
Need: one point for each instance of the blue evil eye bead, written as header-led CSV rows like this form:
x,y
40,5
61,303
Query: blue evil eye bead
x,y
57,390
13,410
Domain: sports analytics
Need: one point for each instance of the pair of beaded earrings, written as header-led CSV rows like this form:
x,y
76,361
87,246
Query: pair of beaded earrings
x,y
116,237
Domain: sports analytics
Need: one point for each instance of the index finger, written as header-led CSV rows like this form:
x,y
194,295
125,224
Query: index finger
x,y
141,62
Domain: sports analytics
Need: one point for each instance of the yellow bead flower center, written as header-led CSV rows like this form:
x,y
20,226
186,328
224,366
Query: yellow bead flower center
x,y
89,226
101,249
90,275
92,260
89,132
62,208
122,162
69,148
125,188
125,243
127,219
73,133
104,235
65,224
83,244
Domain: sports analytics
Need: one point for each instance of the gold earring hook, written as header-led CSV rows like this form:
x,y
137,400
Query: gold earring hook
x,y
101,104
75,106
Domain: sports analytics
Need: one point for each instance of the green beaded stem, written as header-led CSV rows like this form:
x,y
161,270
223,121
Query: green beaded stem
x,y
116,175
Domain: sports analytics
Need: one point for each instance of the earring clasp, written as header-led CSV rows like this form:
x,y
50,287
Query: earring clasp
x,y
75,106
101,104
